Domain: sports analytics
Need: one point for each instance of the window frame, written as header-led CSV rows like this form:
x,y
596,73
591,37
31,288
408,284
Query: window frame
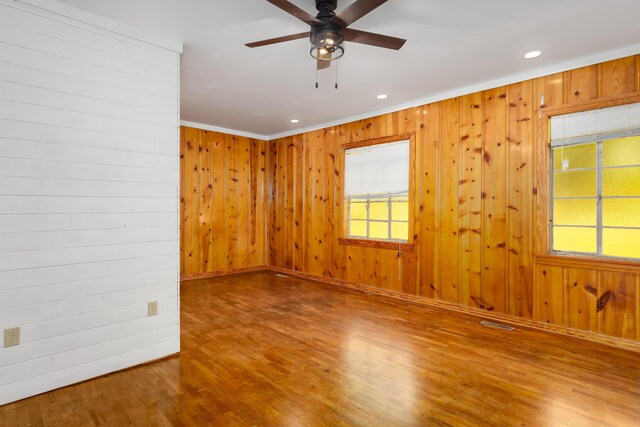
x,y
543,224
344,238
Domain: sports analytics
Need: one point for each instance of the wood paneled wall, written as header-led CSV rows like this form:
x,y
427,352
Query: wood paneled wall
x,y
223,202
475,209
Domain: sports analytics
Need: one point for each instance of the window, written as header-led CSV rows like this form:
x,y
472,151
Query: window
x,y
595,182
377,191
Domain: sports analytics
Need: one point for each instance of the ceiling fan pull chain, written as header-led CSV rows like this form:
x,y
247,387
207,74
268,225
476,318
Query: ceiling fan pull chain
x,y
336,74
316,77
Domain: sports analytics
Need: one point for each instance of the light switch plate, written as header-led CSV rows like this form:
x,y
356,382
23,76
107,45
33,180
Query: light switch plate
x,y
153,308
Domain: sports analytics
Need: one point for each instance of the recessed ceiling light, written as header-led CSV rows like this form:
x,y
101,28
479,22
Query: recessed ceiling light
x,y
532,54
295,121
382,96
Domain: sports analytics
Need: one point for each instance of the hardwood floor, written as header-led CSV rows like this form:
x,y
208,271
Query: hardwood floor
x,y
263,350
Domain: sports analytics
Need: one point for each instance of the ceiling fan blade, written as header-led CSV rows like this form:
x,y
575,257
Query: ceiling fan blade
x,y
279,39
294,10
323,64
373,39
356,11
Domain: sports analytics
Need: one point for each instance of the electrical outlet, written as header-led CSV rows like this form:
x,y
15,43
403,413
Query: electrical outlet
x,y
11,337
153,308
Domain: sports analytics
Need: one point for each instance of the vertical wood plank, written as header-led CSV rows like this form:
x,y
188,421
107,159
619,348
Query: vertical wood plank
x,y
583,84
218,259
299,200
494,222
274,203
616,306
243,251
192,198
309,156
519,202
205,199
449,167
328,199
339,222
409,121
471,200
318,201
581,289
550,294
618,77
288,177
430,205
183,199
231,200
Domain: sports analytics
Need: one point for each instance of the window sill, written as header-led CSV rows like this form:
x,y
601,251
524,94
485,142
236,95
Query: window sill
x,y
380,244
588,261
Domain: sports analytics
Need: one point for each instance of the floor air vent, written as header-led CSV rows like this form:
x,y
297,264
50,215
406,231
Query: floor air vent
x,y
280,275
496,326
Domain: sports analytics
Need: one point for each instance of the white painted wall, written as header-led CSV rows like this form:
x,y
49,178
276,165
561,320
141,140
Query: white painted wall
x,y
89,148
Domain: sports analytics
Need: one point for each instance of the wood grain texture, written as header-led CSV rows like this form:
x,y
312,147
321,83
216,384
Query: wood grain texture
x,y
311,354
480,206
223,199
471,249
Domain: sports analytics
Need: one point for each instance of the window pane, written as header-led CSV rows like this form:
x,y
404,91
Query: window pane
x,y
575,157
358,228
399,211
358,210
575,239
574,212
379,209
574,184
621,212
400,230
621,182
621,152
621,242
378,230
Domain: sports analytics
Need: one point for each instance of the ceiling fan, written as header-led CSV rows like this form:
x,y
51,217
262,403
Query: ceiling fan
x,y
328,30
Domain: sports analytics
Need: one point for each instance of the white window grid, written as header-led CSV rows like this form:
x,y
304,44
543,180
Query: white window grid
x,y
599,197
376,198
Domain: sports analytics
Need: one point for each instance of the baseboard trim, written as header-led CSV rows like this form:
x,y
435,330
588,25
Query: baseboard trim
x,y
207,275
621,343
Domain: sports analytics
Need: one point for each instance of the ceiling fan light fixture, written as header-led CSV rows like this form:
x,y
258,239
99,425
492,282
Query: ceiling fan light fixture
x,y
326,45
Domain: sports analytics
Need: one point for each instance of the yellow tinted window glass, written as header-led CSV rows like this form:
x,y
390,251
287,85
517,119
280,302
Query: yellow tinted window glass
x,y
358,210
575,157
358,228
574,184
621,182
575,239
621,212
378,230
400,230
621,152
400,211
621,243
379,210
574,212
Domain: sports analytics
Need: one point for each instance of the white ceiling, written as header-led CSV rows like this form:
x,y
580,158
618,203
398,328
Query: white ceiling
x,y
453,47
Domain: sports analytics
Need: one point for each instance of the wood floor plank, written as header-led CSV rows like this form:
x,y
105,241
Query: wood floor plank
x,y
264,350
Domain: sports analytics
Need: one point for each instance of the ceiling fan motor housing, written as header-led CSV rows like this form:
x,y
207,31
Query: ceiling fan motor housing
x,y
326,5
